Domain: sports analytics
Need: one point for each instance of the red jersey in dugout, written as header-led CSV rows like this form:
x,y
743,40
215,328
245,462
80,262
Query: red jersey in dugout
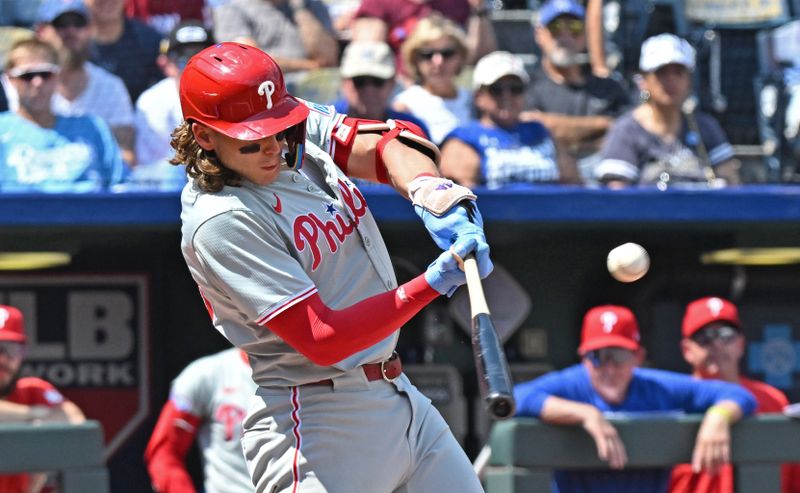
x,y
770,400
30,391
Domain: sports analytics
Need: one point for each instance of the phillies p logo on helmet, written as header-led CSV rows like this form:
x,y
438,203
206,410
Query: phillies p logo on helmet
x,y
267,89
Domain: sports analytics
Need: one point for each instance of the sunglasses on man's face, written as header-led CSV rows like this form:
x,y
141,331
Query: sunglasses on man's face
x,y
429,54
500,88
363,81
70,20
603,356
706,337
27,74
572,26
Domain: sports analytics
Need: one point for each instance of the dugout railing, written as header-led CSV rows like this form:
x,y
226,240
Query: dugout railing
x,y
74,452
525,451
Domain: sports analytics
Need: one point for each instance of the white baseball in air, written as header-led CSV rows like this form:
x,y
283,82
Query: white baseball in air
x,y
628,262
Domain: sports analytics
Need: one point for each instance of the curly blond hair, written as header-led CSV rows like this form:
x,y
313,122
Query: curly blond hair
x,y
204,167
429,29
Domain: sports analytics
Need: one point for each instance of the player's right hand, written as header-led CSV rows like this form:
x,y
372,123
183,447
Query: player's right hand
x,y
609,445
461,222
444,274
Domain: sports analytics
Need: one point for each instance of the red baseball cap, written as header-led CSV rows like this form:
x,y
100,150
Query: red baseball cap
x,y
704,311
609,326
11,326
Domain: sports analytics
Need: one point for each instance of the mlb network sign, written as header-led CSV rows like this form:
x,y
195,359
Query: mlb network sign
x,y
87,336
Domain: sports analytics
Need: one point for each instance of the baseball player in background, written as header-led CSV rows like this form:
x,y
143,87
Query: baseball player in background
x,y
26,399
293,270
713,344
207,401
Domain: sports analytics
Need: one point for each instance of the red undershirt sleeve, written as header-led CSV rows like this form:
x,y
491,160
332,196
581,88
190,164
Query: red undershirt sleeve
x,y
326,336
166,451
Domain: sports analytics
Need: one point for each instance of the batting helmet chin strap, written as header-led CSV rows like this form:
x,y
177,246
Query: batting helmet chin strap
x,y
296,142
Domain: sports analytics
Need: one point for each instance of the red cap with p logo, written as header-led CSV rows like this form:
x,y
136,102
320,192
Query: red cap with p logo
x,y
609,326
11,325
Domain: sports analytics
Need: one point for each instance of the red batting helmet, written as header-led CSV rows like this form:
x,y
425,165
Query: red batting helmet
x,y
239,91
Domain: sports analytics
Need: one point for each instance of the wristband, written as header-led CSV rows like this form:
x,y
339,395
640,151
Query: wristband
x,y
722,411
481,12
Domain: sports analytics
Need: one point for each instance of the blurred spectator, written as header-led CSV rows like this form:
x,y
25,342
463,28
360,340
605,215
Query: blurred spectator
x,y
10,36
158,109
368,73
609,380
83,87
595,38
19,13
26,399
46,152
164,15
576,106
207,402
497,150
296,33
125,47
713,344
394,20
663,140
435,54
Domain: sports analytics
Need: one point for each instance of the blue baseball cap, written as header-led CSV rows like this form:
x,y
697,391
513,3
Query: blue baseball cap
x,y
50,10
552,9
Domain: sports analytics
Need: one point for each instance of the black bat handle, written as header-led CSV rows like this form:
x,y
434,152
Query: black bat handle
x,y
494,381
494,377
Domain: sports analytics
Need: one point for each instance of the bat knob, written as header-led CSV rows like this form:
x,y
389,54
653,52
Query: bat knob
x,y
501,407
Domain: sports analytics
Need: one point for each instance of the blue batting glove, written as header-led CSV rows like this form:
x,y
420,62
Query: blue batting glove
x,y
460,222
445,274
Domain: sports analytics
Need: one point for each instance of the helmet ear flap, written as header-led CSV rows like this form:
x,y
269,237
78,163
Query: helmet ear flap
x,y
295,141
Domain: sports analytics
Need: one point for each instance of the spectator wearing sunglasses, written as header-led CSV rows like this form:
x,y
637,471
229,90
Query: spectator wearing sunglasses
x,y
26,399
713,345
368,81
83,87
394,20
434,55
498,150
609,380
576,106
46,152
158,109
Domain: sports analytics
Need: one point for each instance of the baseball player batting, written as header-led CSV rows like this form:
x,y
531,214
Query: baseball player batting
x,y
293,270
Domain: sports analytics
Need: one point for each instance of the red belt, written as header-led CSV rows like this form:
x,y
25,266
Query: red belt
x,y
387,370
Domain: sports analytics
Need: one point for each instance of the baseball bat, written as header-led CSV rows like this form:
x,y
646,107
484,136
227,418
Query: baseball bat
x,y
494,377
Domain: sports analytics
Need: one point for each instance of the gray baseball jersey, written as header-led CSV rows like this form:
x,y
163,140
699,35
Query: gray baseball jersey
x,y
217,389
255,251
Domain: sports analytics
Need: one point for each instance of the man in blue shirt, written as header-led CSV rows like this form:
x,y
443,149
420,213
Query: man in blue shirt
x,y
44,152
609,379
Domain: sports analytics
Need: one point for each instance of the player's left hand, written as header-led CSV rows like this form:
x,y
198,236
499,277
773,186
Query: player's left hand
x,y
712,447
445,274
462,221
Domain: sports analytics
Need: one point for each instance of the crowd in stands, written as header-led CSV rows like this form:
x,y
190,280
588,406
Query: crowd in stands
x,y
577,115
